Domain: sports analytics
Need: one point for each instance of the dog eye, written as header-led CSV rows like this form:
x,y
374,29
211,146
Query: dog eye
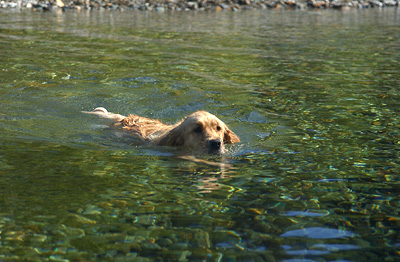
x,y
218,128
198,129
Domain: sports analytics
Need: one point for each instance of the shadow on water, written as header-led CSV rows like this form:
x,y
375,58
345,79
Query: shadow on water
x,y
313,96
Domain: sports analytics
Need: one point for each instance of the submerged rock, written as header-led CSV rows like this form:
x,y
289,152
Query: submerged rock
x,y
75,220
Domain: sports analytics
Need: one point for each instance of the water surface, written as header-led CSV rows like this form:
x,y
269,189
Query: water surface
x,y
314,96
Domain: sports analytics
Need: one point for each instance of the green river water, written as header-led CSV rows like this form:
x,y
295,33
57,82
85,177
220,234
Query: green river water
x,y
313,95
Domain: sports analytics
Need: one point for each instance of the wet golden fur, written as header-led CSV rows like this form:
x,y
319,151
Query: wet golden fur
x,y
201,130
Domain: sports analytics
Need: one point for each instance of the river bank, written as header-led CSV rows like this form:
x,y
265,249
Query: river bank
x,y
200,5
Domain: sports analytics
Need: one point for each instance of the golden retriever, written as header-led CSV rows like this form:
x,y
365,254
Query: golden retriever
x,y
200,131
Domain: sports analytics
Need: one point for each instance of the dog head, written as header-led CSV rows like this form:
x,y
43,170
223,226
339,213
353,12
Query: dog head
x,y
201,131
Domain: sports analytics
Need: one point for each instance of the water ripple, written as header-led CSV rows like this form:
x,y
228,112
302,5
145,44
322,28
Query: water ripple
x,y
319,233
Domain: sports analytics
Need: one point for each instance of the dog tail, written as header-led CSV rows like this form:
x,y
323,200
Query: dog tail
x,y
103,113
100,110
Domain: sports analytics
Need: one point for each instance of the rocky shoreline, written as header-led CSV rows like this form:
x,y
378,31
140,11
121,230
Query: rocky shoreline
x,y
187,5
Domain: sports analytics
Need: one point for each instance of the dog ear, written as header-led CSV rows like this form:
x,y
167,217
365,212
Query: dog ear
x,y
230,137
175,137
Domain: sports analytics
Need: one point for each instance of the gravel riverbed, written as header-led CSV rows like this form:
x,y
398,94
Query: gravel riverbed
x,y
200,5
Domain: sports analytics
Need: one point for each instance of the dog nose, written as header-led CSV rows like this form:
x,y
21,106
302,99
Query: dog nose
x,y
214,144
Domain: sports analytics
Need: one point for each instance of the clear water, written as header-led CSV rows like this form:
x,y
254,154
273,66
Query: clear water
x,y
314,96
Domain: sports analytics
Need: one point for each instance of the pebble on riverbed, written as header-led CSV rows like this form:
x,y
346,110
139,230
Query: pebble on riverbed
x,y
187,5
